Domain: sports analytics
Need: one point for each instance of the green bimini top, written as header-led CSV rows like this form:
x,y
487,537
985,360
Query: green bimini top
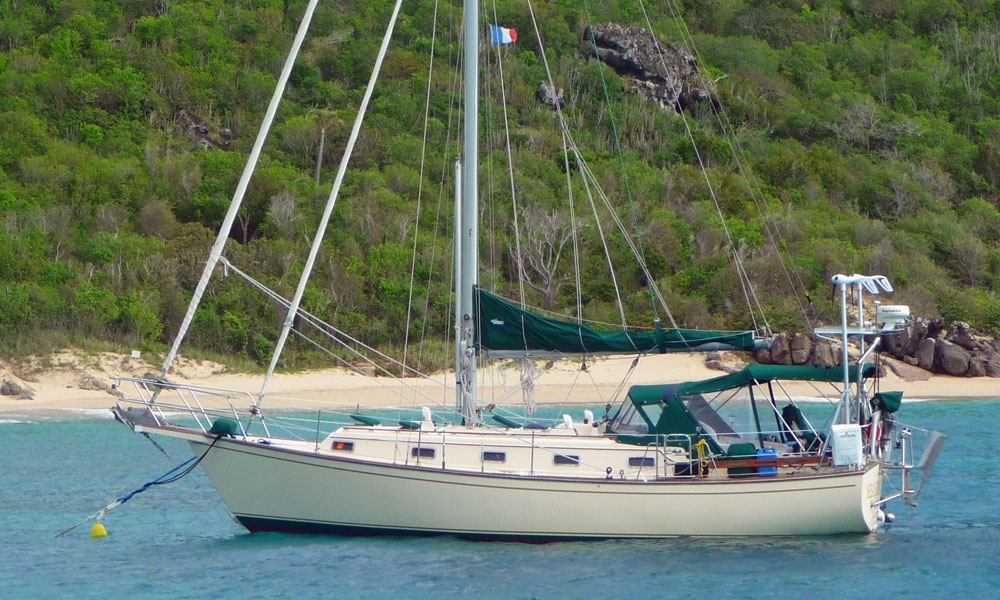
x,y
504,326
652,394
671,416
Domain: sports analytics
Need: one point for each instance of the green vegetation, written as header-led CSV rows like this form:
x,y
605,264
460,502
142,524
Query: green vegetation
x,y
872,128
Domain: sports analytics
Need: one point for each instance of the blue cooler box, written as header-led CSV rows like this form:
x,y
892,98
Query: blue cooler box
x,y
767,471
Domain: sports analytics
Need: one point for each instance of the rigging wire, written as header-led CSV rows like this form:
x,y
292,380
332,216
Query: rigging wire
x,y
437,225
584,167
744,281
333,334
510,169
753,185
576,246
725,126
420,185
590,176
562,122
450,316
490,185
330,203
416,392
618,146
227,223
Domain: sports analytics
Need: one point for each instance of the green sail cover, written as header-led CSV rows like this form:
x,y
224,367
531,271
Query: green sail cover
x,y
503,326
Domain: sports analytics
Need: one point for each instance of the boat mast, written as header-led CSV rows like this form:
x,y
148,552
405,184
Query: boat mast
x,y
469,275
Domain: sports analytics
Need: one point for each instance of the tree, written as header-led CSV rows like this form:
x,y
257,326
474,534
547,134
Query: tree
x,y
545,235
325,119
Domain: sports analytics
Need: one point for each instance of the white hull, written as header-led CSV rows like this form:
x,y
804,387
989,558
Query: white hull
x,y
269,488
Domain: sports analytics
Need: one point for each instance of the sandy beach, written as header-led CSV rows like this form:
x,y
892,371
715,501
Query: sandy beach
x,y
71,380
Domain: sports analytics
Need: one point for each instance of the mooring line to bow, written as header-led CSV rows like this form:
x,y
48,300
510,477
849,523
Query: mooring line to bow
x,y
169,477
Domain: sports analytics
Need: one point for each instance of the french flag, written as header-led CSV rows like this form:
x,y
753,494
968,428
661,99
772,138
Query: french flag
x,y
502,35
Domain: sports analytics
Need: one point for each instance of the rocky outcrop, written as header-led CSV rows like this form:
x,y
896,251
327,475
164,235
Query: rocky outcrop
x,y
13,388
953,349
929,344
205,133
798,349
659,72
550,95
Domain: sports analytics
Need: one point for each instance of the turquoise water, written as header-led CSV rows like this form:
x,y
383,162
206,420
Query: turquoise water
x,y
178,541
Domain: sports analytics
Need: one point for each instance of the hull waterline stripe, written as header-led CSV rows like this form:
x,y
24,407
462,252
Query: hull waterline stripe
x,y
260,524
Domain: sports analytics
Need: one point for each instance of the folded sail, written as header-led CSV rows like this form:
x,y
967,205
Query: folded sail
x,y
503,326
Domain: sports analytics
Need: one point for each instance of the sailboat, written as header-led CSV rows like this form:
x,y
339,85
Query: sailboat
x,y
731,455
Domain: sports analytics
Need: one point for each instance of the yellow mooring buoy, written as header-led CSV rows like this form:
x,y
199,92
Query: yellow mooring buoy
x,y
98,531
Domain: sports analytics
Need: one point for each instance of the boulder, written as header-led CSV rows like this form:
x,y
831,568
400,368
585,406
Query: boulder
x,y
10,388
993,368
961,334
907,372
925,353
977,367
822,354
951,358
729,362
548,94
762,356
800,347
781,352
91,383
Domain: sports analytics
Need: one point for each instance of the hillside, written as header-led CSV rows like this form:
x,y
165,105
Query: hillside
x,y
871,130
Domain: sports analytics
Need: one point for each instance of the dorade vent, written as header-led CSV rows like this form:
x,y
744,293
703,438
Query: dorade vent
x,y
343,446
489,456
417,451
566,459
641,461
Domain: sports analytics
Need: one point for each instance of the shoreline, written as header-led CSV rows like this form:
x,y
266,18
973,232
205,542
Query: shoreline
x,y
71,383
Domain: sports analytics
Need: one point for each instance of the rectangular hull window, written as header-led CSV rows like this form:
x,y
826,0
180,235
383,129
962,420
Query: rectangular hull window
x,y
494,456
422,452
566,459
